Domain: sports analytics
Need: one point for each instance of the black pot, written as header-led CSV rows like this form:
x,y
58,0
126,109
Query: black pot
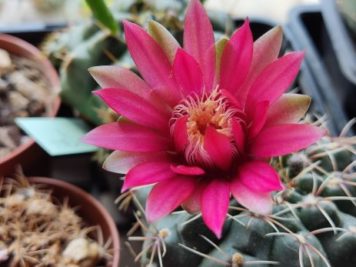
x,y
306,31
32,33
342,41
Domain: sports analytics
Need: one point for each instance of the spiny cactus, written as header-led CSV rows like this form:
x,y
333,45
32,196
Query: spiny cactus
x,y
313,222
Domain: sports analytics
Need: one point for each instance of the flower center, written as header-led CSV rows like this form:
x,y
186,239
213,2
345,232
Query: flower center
x,y
209,110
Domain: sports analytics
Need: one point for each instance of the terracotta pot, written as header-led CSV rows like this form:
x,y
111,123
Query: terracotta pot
x,y
89,209
26,154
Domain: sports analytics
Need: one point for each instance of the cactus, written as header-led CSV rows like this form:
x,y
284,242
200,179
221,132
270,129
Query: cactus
x,y
313,221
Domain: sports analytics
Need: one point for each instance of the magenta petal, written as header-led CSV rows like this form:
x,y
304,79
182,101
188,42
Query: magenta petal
x,y
164,39
166,196
266,48
122,161
187,170
148,173
192,203
119,77
180,136
289,108
150,60
239,135
214,204
276,78
232,99
187,73
259,177
133,106
218,147
127,137
284,139
258,115
199,40
257,202
236,59
265,51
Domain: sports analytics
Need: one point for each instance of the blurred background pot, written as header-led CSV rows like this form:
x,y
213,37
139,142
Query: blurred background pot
x,y
89,209
29,153
307,30
340,22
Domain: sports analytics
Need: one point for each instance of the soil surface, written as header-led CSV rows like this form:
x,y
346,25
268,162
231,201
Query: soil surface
x,y
24,92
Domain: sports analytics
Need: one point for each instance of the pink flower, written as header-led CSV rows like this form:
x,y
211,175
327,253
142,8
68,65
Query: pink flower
x,y
205,119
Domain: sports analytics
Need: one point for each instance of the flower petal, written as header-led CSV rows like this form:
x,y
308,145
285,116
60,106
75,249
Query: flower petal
x,y
192,203
166,196
239,135
219,148
127,137
258,116
265,51
276,78
164,38
187,73
289,108
122,161
236,59
284,139
151,61
232,99
119,77
198,40
220,47
180,135
259,177
133,106
187,170
148,173
214,204
258,202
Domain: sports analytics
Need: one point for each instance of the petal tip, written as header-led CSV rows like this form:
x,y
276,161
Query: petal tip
x,y
124,188
129,27
97,92
86,138
93,70
217,232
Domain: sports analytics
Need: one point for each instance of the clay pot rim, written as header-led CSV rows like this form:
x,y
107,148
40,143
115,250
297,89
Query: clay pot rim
x,y
35,54
95,203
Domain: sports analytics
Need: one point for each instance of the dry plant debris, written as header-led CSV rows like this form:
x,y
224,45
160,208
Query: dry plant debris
x,y
37,230
24,92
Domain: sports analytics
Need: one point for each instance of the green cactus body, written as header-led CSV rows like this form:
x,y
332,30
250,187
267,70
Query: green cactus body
x,y
291,251
77,84
340,248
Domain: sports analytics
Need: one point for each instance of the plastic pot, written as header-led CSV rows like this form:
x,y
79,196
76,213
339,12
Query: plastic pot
x,y
306,31
34,33
343,44
28,153
89,209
